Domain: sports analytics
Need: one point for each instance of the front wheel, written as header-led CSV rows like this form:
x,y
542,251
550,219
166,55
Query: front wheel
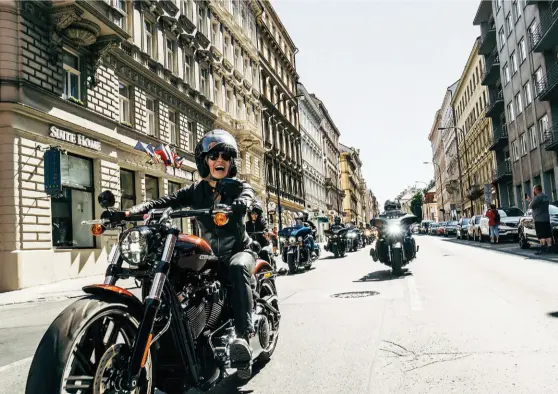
x,y
86,349
523,244
397,261
291,263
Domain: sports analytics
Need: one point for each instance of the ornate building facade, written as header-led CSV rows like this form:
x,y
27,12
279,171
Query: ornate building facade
x,y
312,156
352,184
439,162
92,78
332,169
236,83
474,128
451,184
281,132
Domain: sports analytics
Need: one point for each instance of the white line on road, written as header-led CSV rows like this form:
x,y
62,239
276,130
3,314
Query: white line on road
x,y
15,364
416,302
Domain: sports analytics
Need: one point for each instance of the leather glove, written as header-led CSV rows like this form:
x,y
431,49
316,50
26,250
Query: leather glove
x,y
114,216
239,206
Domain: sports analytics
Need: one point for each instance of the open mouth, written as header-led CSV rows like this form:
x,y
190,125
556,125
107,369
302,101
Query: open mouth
x,y
219,168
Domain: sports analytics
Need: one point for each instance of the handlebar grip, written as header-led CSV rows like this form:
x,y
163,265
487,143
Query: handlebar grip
x,y
136,218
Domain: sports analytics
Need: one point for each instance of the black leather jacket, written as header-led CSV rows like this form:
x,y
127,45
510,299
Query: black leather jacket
x,y
225,241
337,227
259,226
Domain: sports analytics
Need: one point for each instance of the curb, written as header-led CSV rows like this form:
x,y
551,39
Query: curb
x,y
71,295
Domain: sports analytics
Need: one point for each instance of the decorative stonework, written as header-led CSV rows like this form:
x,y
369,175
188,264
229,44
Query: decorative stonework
x,y
202,40
83,32
169,6
186,24
228,65
100,50
63,17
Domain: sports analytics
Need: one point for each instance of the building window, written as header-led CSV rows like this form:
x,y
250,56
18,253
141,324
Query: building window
x,y
151,188
124,97
149,41
510,112
72,76
150,114
227,48
74,205
178,222
217,93
517,10
170,55
238,60
228,103
533,136
502,37
128,189
543,127
522,50
509,25
523,139
188,8
121,18
528,93
188,69
518,103
215,34
173,127
514,63
506,71
538,81
515,150
203,82
202,19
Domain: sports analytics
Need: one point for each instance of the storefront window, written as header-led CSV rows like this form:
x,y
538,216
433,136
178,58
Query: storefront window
x,y
182,224
74,205
151,188
128,186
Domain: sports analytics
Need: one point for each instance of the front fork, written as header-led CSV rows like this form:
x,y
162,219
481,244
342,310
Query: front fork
x,y
151,306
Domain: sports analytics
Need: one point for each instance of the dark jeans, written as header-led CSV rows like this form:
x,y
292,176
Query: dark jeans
x,y
241,266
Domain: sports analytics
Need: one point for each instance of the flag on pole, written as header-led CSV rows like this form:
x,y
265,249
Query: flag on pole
x,y
165,153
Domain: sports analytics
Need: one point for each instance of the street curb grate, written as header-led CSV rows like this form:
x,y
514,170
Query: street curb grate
x,y
355,294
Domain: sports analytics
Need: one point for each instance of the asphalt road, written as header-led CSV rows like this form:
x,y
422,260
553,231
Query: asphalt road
x,y
462,320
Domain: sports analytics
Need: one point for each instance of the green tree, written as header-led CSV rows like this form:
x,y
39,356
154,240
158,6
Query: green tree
x,y
416,205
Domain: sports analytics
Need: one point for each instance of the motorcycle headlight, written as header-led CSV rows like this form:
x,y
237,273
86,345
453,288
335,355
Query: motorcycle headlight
x,y
394,230
292,240
368,233
133,247
352,235
282,239
299,239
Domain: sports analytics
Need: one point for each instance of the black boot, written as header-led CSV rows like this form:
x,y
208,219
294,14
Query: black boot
x,y
542,250
241,356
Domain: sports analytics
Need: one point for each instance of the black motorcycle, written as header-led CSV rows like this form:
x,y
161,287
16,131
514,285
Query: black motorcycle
x,y
396,246
177,338
368,237
353,240
336,241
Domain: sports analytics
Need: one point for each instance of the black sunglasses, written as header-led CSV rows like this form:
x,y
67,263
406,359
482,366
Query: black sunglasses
x,y
215,155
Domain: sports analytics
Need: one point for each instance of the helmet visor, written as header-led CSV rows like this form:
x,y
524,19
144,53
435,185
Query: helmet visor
x,y
219,142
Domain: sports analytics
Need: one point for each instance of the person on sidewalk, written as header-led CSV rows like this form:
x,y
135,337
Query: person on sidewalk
x,y
541,216
493,223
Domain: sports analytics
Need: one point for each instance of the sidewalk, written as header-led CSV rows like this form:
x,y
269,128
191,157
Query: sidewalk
x,y
70,288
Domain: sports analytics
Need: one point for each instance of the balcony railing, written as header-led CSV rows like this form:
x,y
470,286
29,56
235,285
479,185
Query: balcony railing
x,y
545,89
551,138
503,171
491,72
544,35
499,137
495,103
488,39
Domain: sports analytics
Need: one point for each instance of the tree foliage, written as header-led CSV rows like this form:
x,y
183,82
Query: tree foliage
x,y
416,205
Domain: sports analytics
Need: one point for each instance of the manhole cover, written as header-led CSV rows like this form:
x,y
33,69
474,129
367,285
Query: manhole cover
x,y
356,294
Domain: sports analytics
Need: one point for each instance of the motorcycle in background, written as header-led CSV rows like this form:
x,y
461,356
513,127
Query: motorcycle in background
x,y
396,246
296,251
177,337
368,237
353,240
336,241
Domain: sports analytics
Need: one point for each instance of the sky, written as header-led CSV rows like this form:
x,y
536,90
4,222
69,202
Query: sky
x,y
382,69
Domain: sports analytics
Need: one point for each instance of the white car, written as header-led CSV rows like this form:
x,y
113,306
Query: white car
x,y
509,220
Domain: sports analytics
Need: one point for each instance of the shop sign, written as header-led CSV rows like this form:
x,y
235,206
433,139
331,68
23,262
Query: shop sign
x,y
73,138
180,173
53,175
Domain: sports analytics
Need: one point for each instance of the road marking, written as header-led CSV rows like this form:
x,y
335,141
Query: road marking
x,y
416,302
15,364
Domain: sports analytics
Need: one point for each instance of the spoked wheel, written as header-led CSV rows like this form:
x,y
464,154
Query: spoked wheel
x,y
86,351
269,292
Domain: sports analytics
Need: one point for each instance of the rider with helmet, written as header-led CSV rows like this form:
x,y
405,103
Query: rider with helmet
x,y
337,224
215,156
256,226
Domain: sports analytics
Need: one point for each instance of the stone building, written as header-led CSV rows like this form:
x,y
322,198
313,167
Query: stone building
x,y
236,83
439,163
92,78
473,135
352,184
280,116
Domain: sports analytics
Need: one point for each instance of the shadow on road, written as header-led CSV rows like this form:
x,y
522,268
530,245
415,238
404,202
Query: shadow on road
x,y
232,385
380,276
553,314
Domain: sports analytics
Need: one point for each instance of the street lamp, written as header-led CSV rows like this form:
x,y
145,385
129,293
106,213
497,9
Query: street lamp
x,y
455,128
441,188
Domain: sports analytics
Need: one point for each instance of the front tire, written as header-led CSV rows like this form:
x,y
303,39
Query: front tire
x,y
78,336
292,264
523,244
397,261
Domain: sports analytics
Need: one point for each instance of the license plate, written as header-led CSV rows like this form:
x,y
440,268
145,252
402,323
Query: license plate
x,y
290,252
335,243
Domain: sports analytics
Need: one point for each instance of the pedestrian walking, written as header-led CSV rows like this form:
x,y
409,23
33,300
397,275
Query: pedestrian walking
x,y
541,216
493,222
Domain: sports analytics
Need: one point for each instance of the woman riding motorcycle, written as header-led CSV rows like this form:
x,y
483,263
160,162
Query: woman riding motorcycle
x,y
215,154
257,224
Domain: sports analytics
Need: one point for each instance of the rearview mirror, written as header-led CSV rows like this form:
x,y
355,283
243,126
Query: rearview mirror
x,y
106,199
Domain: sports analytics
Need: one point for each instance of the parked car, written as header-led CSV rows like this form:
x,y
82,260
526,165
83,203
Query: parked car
x,y
433,228
526,228
473,230
462,228
424,226
442,228
509,220
450,228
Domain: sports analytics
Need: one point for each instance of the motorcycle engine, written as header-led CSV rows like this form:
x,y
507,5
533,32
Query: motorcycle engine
x,y
202,301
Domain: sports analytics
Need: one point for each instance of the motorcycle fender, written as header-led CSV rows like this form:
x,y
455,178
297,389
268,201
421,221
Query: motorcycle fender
x,y
262,266
397,245
115,293
290,251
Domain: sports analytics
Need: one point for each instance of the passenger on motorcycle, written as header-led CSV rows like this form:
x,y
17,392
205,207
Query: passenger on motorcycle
x,y
301,219
256,226
215,157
